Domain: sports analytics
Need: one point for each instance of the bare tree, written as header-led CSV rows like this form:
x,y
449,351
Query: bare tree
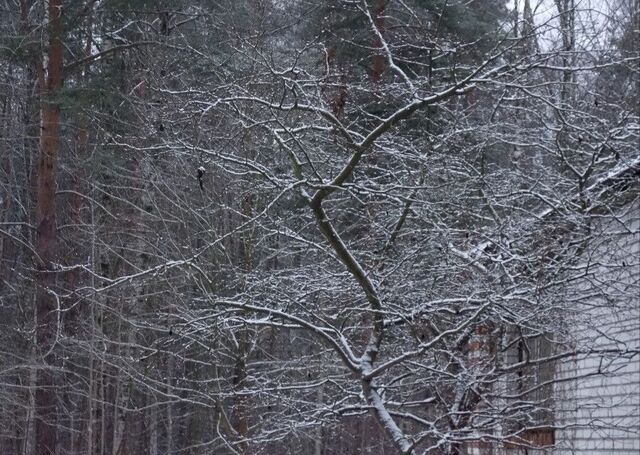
x,y
315,227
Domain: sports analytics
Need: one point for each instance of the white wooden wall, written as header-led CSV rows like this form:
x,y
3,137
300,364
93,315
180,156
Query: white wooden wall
x,y
602,410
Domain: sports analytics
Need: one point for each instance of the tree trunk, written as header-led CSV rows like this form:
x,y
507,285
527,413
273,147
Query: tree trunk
x,y
566,11
45,397
123,394
378,62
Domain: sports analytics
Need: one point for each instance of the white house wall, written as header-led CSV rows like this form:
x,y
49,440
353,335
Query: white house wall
x,y
599,404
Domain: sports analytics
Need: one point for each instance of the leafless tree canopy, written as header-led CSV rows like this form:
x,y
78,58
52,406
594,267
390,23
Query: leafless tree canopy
x,y
316,227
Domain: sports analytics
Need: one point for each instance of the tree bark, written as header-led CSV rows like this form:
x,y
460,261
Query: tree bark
x,y
378,62
566,12
45,398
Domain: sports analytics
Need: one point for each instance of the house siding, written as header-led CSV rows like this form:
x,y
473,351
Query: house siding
x,y
598,403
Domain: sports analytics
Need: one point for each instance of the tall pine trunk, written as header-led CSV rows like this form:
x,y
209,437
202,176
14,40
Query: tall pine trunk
x,y
45,396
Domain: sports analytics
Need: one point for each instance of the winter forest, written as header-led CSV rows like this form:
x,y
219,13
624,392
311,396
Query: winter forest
x,y
318,226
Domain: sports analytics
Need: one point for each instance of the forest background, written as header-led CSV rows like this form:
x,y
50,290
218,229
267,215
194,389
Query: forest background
x,y
278,226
